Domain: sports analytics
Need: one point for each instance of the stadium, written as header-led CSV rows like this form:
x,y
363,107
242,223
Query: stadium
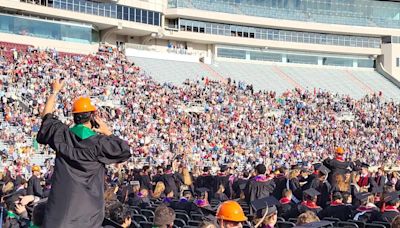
x,y
199,113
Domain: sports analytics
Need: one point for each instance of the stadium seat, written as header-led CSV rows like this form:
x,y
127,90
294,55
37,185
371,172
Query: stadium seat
x,y
374,225
193,223
335,220
139,218
281,224
134,211
147,213
386,224
293,220
347,224
197,217
182,216
360,224
146,224
179,222
180,211
281,219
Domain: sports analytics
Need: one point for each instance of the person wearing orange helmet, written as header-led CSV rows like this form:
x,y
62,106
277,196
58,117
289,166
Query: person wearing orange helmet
x,y
77,186
230,215
34,188
338,166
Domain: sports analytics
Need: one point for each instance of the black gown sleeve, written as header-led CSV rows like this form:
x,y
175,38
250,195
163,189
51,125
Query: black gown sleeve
x,y
113,150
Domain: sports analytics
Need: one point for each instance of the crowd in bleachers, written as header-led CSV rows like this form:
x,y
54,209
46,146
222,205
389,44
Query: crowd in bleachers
x,y
236,129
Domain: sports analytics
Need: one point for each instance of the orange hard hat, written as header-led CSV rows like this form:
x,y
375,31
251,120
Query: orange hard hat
x,y
231,211
35,168
339,150
83,104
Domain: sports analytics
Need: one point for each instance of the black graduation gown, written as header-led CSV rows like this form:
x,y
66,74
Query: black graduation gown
x,y
222,180
337,167
204,181
76,197
34,187
324,188
306,206
340,211
280,185
258,189
169,182
389,214
145,182
285,208
188,206
236,187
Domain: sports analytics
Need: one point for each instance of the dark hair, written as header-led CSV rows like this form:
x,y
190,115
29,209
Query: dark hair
x,y
118,213
38,214
145,168
84,117
261,169
246,174
337,196
346,196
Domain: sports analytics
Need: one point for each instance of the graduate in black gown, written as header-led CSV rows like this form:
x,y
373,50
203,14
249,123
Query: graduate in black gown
x,y
169,180
222,178
391,208
338,166
367,211
321,184
337,209
310,202
82,152
205,180
286,205
259,186
280,182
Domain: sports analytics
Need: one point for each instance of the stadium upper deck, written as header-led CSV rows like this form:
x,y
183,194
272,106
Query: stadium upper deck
x,y
366,31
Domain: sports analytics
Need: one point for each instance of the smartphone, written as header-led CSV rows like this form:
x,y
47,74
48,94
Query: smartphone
x,y
93,122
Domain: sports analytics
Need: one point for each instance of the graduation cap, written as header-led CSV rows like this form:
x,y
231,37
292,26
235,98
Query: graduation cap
x,y
186,192
363,196
261,206
223,168
323,169
312,192
393,196
364,165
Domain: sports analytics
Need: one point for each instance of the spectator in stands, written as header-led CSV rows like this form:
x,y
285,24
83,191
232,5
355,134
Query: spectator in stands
x,y
164,217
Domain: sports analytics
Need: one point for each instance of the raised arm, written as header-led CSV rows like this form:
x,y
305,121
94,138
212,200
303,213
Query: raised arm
x,y
56,86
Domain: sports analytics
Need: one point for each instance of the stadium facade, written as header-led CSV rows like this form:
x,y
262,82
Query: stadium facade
x,y
351,33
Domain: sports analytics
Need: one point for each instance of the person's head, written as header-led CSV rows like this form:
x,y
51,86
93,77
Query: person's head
x,y
38,214
146,169
144,193
396,222
159,189
355,177
337,196
36,170
287,193
381,171
294,173
83,111
164,217
187,194
307,217
340,151
347,198
261,169
207,224
230,214
120,214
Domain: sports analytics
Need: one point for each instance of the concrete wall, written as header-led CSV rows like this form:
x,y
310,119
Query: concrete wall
x,y
62,46
390,53
219,39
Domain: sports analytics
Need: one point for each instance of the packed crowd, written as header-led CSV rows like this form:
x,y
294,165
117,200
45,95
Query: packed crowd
x,y
236,129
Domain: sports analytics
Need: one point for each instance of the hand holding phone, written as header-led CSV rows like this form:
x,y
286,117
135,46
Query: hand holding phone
x,y
102,127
